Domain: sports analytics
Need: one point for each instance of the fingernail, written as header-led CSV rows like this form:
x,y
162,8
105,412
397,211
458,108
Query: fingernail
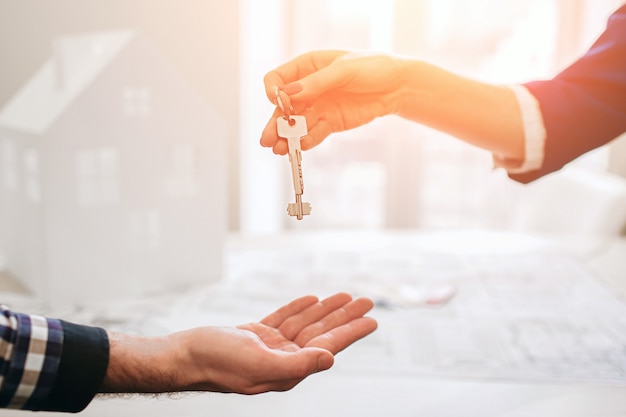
x,y
291,88
324,362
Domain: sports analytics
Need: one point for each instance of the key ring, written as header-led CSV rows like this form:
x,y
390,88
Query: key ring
x,y
286,114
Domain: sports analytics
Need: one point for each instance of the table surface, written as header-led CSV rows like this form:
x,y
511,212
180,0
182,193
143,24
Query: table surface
x,y
380,376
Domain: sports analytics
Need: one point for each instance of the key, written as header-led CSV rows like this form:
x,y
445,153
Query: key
x,y
293,128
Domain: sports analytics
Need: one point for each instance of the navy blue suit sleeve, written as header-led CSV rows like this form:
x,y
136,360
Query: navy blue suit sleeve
x,y
584,106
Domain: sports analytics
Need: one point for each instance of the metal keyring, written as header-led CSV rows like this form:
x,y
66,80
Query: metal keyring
x,y
286,115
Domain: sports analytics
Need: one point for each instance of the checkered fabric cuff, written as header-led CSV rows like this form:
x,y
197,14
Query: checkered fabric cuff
x,y
30,352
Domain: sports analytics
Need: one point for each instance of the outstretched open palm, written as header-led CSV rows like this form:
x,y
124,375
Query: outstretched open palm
x,y
331,324
278,352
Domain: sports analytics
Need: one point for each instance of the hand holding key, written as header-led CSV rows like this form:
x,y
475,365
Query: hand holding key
x,y
336,91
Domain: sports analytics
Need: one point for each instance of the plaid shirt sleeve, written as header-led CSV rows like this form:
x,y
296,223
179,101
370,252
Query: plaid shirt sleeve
x,y
30,352
49,364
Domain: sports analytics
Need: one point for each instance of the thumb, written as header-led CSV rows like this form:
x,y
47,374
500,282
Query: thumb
x,y
325,359
308,361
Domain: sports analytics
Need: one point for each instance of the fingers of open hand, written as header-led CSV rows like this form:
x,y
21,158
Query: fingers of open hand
x,y
293,308
337,318
293,325
343,336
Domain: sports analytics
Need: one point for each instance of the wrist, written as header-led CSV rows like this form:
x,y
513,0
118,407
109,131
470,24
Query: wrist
x,y
139,364
399,85
416,89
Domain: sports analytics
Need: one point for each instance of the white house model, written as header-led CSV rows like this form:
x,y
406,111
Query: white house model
x,y
112,175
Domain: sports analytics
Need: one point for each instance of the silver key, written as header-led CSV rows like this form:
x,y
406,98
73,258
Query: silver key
x,y
293,128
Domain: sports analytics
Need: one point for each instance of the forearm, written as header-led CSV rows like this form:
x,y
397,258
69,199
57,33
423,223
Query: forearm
x,y
481,114
201,359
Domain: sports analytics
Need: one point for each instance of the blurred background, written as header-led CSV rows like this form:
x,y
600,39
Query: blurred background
x,y
134,194
129,132
139,122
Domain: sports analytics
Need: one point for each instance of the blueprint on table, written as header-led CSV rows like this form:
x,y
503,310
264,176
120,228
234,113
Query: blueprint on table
x,y
515,316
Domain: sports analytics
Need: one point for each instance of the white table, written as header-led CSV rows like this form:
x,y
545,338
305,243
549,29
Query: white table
x,y
357,385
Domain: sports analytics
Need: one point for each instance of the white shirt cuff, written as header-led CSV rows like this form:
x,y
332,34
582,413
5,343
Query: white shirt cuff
x,y
534,135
